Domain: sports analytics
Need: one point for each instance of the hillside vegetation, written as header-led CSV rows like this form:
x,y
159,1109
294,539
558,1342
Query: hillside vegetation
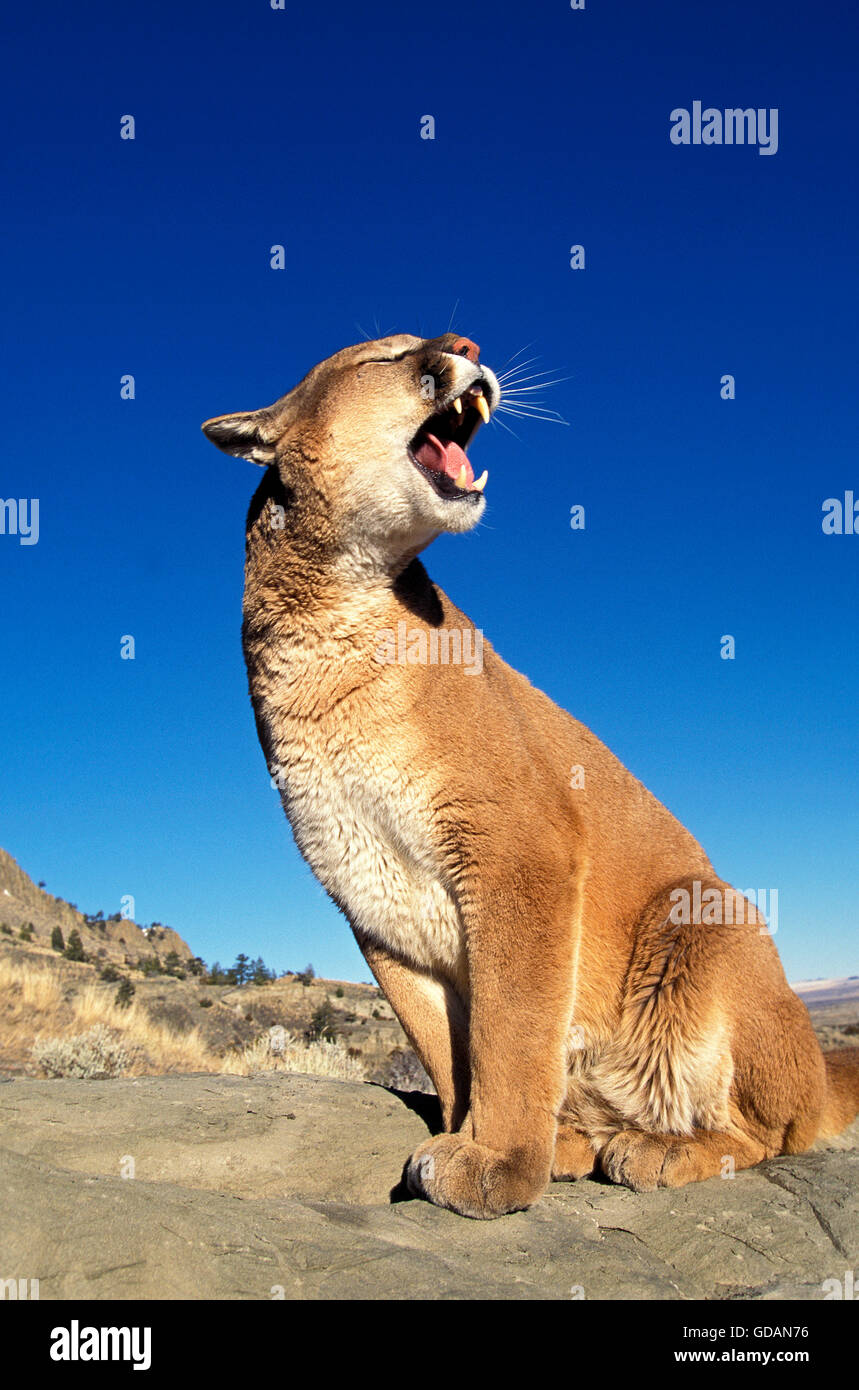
x,y
89,995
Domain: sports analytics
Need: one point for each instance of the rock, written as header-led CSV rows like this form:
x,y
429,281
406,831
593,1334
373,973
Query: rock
x,y
278,1185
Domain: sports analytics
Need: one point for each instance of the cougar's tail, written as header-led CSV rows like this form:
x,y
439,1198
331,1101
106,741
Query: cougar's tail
x,y
842,1090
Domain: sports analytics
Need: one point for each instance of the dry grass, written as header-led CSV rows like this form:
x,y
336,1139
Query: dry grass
x,y
158,1047
39,1007
29,986
279,1050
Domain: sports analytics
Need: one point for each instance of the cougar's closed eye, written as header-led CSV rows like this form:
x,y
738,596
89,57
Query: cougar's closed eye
x,y
386,361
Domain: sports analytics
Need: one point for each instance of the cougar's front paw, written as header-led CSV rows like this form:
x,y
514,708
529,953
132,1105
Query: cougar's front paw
x,y
453,1171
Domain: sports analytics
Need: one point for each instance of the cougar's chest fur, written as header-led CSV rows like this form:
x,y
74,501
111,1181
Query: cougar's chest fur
x,y
359,806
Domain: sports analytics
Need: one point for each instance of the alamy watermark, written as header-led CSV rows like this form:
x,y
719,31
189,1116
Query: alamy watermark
x,y
15,1289
842,1288
840,518
438,646
76,1343
14,520
734,126
715,907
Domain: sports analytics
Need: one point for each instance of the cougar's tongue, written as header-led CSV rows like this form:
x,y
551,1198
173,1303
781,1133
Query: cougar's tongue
x,y
444,458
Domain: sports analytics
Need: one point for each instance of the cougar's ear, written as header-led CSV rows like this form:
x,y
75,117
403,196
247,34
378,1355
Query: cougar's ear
x,y
249,434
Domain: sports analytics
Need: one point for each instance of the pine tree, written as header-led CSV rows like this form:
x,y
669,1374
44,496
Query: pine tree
x,y
259,972
57,941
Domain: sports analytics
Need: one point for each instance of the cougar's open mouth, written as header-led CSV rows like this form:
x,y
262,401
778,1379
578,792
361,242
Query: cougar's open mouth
x,y
438,448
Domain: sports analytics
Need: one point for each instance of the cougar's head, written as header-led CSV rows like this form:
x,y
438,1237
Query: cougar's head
x,y
376,436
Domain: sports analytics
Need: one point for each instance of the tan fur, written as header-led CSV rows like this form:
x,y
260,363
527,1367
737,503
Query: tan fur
x,y
522,930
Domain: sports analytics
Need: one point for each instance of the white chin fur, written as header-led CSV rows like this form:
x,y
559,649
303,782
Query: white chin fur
x,y
458,515
404,513
441,513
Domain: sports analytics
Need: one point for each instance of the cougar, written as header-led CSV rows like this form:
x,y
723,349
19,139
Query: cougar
x,y
530,930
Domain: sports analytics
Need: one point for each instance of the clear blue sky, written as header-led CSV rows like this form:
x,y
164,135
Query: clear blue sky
x,y
301,127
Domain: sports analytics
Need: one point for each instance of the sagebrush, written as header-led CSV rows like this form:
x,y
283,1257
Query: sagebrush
x,y
95,1055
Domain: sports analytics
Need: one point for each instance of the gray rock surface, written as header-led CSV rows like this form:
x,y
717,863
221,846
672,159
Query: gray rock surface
x,y
279,1185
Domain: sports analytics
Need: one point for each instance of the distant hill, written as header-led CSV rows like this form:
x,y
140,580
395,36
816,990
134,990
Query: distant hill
x,y
834,1008
116,939
172,988
820,993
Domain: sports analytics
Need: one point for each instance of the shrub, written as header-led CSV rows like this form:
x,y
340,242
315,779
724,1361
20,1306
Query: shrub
x,y
150,965
205,1003
92,1056
124,994
109,973
57,940
406,1073
323,1023
339,992
26,932
306,975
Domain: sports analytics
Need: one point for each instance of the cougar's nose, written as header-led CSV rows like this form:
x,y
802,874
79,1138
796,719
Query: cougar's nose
x,y
464,347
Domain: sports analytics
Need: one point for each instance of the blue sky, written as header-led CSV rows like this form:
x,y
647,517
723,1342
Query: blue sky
x,y
703,516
